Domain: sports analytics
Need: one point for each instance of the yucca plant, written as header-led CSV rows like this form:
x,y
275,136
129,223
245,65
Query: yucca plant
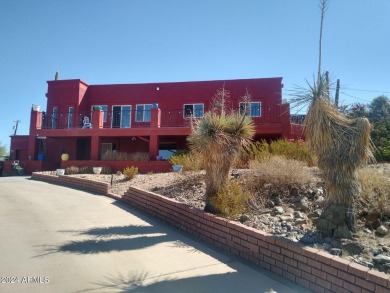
x,y
218,138
341,145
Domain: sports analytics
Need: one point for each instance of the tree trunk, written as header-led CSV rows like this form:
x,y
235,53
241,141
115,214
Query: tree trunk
x,y
337,220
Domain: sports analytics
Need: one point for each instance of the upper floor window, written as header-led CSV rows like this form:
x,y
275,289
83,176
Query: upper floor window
x,y
70,117
252,109
54,118
193,110
121,116
143,113
104,109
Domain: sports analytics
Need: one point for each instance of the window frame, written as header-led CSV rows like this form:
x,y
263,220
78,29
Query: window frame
x,y
193,110
104,109
54,117
250,109
143,112
70,116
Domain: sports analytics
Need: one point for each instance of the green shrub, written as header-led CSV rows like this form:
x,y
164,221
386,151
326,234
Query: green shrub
x,y
262,150
258,150
231,200
188,160
293,150
72,170
130,172
375,192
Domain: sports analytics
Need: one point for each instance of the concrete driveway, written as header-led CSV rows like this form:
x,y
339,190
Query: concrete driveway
x,y
56,239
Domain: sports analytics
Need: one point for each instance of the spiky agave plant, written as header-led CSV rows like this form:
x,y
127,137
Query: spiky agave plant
x,y
341,145
218,138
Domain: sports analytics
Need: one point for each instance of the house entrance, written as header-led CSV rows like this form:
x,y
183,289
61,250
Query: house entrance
x,y
83,151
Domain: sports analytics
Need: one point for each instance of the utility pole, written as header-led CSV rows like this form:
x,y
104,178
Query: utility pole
x,y
336,98
16,126
327,86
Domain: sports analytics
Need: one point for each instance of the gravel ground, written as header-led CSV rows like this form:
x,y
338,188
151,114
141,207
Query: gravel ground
x,y
290,221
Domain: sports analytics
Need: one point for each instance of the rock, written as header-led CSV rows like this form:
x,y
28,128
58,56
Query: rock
x,y
278,210
270,204
277,200
336,243
303,204
308,240
342,232
298,215
243,218
317,213
286,218
319,201
353,248
381,259
318,191
289,227
385,249
367,230
365,263
300,221
381,231
335,251
373,220
376,251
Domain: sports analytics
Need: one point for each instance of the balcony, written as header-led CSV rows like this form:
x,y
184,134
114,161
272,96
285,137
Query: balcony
x,y
155,118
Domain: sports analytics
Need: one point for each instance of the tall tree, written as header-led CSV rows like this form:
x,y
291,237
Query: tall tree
x,y
379,109
3,151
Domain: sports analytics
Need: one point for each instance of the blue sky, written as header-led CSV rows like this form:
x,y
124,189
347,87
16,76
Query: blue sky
x,y
141,41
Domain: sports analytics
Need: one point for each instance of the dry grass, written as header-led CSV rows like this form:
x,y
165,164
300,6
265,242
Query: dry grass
x,y
123,156
277,176
375,192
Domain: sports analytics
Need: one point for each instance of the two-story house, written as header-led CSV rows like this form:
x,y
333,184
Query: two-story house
x,y
86,121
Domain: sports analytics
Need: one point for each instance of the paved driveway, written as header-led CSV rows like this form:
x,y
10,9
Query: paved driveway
x,y
56,239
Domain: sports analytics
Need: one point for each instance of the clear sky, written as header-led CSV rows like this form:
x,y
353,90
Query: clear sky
x,y
141,41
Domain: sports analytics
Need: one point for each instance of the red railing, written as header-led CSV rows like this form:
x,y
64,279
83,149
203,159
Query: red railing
x,y
141,119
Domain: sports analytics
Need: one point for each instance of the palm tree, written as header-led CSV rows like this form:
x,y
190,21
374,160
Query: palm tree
x,y
218,138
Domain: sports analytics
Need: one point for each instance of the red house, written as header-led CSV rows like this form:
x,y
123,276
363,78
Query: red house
x,y
86,121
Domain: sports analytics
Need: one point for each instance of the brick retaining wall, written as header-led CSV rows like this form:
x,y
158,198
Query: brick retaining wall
x,y
306,266
79,183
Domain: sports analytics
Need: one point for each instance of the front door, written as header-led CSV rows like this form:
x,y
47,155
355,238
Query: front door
x,y
83,151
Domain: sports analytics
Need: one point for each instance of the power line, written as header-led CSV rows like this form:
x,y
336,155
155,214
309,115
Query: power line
x,y
364,100
369,91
